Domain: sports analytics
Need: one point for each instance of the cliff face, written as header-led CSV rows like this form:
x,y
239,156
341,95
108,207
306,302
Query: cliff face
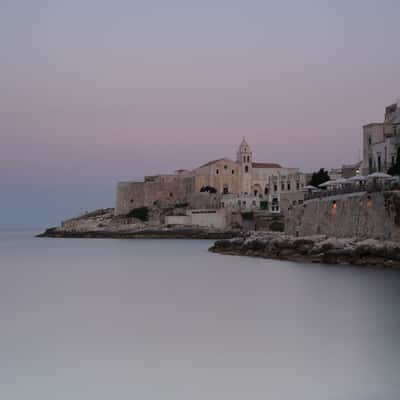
x,y
360,215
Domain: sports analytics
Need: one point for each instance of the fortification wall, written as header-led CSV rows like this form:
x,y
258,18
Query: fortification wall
x,y
130,195
162,191
361,215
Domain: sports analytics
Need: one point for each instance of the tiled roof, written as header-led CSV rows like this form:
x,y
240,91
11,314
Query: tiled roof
x,y
213,162
265,165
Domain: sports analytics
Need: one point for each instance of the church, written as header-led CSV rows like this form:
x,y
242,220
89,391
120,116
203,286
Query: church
x,y
238,185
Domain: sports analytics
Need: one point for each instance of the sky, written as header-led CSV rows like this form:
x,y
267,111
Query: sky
x,y
93,92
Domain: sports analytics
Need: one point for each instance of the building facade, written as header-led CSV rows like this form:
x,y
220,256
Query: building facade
x,y
381,140
238,185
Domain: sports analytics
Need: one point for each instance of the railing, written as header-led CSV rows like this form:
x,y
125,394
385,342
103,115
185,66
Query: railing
x,y
354,188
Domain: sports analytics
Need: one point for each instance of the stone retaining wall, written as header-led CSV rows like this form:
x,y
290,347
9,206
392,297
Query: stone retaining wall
x,y
358,215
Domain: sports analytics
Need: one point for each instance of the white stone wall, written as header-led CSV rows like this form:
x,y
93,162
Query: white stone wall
x,y
208,218
216,219
178,220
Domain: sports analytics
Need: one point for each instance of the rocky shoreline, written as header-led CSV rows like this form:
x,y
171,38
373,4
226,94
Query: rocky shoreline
x,y
103,224
315,249
151,233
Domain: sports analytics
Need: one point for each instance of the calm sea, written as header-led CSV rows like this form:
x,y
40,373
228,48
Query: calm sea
x,y
151,319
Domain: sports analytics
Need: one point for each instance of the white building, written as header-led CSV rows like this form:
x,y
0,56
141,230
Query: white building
x,y
381,140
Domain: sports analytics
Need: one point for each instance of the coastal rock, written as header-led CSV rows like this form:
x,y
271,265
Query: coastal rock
x,y
103,223
316,249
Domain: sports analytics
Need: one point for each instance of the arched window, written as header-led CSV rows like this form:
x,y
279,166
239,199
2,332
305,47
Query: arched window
x,y
248,158
246,169
266,190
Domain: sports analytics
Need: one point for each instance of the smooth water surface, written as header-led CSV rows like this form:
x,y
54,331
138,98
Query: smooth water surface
x,y
164,319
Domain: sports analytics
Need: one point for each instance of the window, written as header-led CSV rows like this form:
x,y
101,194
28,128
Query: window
x,y
244,158
223,205
297,185
248,158
255,192
288,186
369,140
282,186
131,200
233,172
217,171
171,195
226,189
225,167
254,203
379,163
275,205
266,190
246,169
275,187
393,162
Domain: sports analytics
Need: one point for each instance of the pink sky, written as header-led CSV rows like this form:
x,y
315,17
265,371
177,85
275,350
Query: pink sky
x,y
98,94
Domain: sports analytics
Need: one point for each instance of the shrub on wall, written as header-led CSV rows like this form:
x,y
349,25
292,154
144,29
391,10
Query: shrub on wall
x,y
181,205
208,189
141,213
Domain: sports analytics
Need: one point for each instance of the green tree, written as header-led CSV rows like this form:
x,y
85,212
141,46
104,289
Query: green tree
x,y
395,168
208,189
319,177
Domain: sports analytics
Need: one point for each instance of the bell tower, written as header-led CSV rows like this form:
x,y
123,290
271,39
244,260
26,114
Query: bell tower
x,y
245,160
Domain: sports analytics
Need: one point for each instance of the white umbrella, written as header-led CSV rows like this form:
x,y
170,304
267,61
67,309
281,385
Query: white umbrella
x,y
340,181
326,184
379,175
309,187
357,178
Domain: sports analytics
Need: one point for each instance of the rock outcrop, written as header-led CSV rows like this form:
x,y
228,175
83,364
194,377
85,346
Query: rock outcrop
x,y
104,224
317,249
